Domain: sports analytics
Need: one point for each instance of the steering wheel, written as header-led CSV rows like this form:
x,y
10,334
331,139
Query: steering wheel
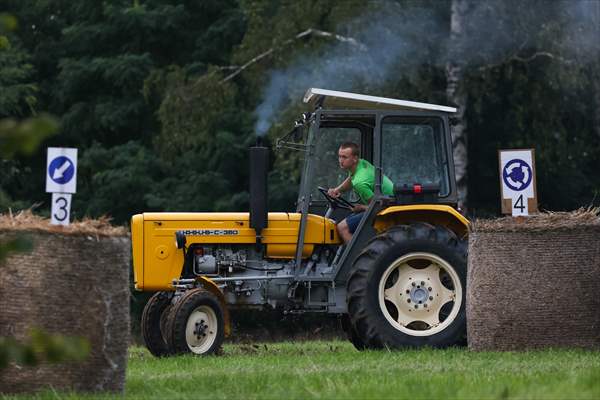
x,y
336,202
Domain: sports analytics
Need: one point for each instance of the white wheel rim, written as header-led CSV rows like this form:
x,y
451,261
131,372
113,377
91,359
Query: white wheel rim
x,y
422,284
201,329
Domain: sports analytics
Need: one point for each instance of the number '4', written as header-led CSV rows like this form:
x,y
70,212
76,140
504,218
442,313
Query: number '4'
x,y
519,203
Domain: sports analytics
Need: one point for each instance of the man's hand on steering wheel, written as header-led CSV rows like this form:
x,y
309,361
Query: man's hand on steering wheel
x,y
334,192
335,202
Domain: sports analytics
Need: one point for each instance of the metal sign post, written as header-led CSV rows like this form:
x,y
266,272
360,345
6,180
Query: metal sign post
x,y
61,181
517,182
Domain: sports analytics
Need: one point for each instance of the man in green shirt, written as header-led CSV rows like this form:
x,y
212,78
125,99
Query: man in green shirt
x,y
361,179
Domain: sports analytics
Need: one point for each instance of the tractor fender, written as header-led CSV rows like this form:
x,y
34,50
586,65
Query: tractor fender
x,y
212,287
435,214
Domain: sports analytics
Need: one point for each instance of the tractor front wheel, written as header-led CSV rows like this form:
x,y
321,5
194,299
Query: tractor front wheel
x,y
196,323
407,288
153,323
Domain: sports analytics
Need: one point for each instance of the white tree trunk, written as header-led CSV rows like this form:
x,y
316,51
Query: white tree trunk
x,y
596,85
596,74
457,95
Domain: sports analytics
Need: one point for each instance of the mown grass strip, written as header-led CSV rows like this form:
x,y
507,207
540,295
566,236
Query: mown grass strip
x,y
334,370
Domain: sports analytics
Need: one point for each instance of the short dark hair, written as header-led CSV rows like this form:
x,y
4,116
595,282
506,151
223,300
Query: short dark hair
x,y
350,145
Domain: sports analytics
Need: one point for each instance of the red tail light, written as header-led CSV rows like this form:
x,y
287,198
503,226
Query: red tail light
x,y
417,188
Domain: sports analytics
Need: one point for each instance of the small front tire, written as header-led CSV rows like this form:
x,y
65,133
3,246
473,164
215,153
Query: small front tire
x,y
196,324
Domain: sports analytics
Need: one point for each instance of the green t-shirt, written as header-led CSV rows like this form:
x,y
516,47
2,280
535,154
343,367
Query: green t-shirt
x,y
363,181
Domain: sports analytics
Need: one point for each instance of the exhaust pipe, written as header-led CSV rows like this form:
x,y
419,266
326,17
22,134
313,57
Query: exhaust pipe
x,y
259,164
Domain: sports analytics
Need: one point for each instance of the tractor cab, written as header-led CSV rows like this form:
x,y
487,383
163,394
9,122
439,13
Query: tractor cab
x,y
406,141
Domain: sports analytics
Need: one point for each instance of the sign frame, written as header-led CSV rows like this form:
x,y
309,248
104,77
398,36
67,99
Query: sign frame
x,y
506,203
55,154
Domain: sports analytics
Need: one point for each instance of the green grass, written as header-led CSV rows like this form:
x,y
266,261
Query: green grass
x,y
333,369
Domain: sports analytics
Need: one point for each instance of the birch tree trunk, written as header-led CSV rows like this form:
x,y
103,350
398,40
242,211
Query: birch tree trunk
x,y
596,68
457,95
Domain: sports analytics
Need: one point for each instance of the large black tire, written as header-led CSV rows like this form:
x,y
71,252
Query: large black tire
x,y
153,322
407,288
196,324
351,333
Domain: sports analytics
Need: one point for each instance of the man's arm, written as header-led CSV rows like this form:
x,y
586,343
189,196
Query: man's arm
x,y
360,208
343,187
366,195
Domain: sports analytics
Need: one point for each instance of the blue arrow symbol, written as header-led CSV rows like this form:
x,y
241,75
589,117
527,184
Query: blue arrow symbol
x,y
58,172
61,170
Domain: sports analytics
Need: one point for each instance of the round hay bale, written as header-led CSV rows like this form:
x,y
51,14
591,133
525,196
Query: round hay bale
x,y
534,282
74,283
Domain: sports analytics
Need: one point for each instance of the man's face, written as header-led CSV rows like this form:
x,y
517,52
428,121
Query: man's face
x,y
346,159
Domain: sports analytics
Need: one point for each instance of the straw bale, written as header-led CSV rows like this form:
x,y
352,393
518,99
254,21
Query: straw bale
x,y
534,283
72,284
27,221
561,220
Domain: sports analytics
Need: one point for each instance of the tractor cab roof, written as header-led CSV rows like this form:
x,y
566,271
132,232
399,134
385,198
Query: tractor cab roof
x,y
332,99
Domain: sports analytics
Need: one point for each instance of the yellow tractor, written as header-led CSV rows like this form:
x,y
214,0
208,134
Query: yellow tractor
x,y
399,282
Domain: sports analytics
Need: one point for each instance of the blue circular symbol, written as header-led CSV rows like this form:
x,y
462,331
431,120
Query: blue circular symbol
x,y
517,174
61,170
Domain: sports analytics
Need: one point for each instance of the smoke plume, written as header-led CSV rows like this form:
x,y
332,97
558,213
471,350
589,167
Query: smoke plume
x,y
397,43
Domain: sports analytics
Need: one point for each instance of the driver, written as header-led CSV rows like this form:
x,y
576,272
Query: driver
x,y
361,179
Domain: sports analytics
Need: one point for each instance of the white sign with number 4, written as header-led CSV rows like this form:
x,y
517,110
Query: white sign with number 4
x,y
517,179
61,209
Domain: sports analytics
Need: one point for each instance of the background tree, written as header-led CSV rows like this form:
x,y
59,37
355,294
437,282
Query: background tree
x,y
457,93
162,97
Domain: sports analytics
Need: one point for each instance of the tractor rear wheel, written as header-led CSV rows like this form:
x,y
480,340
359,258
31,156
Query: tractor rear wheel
x,y
407,288
196,323
351,333
153,323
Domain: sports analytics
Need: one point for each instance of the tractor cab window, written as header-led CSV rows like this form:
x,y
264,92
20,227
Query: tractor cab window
x,y
413,152
327,172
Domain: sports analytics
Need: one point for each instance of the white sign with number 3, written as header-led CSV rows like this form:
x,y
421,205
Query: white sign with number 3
x,y
61,209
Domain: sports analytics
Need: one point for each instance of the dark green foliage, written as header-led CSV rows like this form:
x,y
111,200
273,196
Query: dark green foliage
x,y
18,96
19,244
42,347
139,88
92,60
24,136
129,171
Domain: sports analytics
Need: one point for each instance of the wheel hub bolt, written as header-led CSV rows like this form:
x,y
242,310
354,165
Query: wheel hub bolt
x,y
414,284
416,306
408,300
430,297
429,288
422,283
425,305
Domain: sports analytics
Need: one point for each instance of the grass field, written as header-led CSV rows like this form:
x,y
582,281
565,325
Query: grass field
x,y
333,369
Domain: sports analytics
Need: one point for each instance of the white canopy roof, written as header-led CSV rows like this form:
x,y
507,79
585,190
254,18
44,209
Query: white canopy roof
x,y
335,99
